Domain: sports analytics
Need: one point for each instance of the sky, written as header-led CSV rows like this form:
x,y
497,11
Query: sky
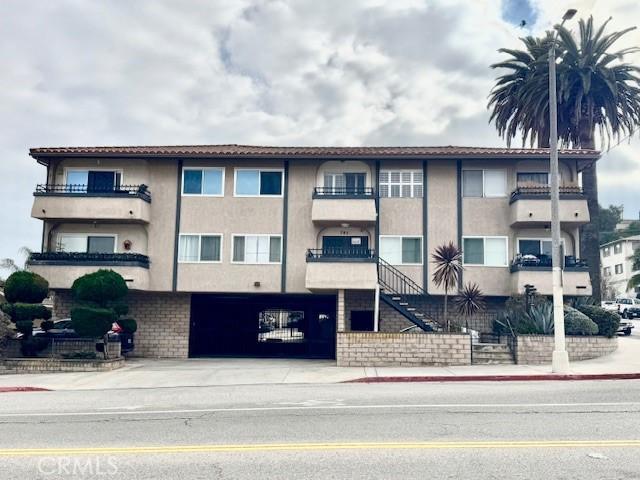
x,y
272,72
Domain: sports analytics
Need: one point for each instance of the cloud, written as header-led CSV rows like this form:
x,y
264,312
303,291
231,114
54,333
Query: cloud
x,y
280,72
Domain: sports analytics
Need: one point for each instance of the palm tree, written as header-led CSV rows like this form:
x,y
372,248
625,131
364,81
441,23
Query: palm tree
x,y
448,262
470,301
13,266
596,91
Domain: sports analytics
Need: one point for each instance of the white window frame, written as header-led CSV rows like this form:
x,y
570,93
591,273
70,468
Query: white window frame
x,y
484,170
59,237
615,269
222,169
616,245
606,252
606,271
535,171
541,239
269,235
401,237
412,184
200,235
484,237
260,170
66,171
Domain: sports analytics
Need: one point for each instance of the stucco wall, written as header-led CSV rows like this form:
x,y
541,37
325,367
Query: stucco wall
x,y
537,349
373,349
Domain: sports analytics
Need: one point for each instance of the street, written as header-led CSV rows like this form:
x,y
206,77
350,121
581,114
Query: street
x,y
587,429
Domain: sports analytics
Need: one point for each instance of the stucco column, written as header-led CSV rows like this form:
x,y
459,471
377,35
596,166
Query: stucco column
x,y
340,313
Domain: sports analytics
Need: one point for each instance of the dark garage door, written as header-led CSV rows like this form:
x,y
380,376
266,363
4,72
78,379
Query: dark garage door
x,y
263,325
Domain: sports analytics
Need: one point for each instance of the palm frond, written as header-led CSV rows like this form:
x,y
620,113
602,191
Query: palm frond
x,y
470,300
448,265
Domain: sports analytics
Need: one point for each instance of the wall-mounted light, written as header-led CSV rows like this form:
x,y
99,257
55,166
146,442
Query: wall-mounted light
x,y
576,214
256,284
530,214
130,212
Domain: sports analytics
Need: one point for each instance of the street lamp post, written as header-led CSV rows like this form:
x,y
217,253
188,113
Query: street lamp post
x,y
560,358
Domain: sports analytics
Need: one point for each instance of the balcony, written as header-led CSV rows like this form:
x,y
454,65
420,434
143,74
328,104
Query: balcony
x,y
536,271
62,268
126,203
531,206
332,269
336,205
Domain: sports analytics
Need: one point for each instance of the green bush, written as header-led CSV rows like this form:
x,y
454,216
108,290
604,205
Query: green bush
x,y
608,322
25,287
518,302
30,346
26,311
25,327
577,323
101,288
129,325
92,322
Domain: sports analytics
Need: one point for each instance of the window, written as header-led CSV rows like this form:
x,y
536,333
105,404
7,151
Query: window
x,y
535,247
257,248
82,243
401,250
618,269
203,181
487,251
253,183
200,248
484,183
606,251
533,178
83,181
607,271
617,248
401,184
344,183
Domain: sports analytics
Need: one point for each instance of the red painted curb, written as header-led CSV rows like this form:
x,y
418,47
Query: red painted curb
x,y
499,378
23,389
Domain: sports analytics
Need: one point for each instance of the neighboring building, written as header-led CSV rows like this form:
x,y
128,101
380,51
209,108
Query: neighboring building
x,y
617,267
233,249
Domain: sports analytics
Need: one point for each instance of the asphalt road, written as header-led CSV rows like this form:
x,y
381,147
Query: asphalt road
x,y
515,430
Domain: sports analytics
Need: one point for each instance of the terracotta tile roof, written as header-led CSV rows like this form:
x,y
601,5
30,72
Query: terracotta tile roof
x,y
271,151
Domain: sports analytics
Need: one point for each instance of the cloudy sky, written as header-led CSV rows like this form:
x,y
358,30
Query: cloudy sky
x,y
282,72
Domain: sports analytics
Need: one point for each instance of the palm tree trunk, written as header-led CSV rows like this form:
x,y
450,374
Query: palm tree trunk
x,y
589,234
446,315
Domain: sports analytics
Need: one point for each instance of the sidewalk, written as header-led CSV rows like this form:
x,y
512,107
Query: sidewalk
x,y
148,373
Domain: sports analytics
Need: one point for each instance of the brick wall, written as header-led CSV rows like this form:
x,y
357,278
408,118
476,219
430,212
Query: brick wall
x,y
163,321
376,349
537,349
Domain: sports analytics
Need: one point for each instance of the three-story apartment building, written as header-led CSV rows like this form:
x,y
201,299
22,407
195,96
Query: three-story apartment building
x,y
617,266
232,249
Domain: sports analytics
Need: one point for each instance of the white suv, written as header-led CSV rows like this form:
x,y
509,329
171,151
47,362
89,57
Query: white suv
x,y
628,307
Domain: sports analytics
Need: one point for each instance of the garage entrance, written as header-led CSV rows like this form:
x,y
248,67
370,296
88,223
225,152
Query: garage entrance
x,y
263,325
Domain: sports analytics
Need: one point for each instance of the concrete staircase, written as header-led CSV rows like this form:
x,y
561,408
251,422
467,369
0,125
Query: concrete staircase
x,y
492,354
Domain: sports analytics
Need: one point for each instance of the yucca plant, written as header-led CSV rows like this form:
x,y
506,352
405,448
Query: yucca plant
x,y
448,261
470,300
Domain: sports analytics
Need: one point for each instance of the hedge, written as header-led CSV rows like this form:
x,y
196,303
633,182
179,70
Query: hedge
x,y
577,323
92,322
101,288
25,287
26,311
128,325
608,322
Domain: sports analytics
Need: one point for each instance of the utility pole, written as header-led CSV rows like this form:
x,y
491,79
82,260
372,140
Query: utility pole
x,y
560,358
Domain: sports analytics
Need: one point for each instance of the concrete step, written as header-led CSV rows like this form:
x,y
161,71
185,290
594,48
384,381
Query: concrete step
x,y
492,361
491,348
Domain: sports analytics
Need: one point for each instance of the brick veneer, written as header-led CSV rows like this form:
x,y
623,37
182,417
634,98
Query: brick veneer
x,y
163,321
537,349
376,349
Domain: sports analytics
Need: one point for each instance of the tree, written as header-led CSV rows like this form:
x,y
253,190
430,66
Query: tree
x,y
596,91
13,266
608,218
100,301
470,301
448,262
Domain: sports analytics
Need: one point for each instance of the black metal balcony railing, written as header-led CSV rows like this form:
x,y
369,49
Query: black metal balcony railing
x,y
343,192
544,262
341,255
544,192
140,191
94,259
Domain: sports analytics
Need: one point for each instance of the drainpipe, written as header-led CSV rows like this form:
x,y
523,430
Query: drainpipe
x,y
376,309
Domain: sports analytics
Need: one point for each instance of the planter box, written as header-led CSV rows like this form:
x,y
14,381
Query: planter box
x,y
538,349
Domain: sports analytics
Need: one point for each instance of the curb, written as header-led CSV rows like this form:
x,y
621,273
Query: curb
x,y
499,378
23,389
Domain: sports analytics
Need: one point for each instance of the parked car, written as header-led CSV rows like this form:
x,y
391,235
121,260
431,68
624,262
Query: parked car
x,y
62,329
628,307
625,328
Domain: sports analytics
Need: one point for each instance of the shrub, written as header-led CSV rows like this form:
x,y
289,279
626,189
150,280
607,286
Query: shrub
x,y
25,287
92,322
539,321
129,325
518,302
608,322
30,346
577,323
6,333
25,327
101,288
26,311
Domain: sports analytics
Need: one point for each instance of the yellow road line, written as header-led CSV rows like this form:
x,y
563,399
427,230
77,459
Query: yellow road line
x,y
159,449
